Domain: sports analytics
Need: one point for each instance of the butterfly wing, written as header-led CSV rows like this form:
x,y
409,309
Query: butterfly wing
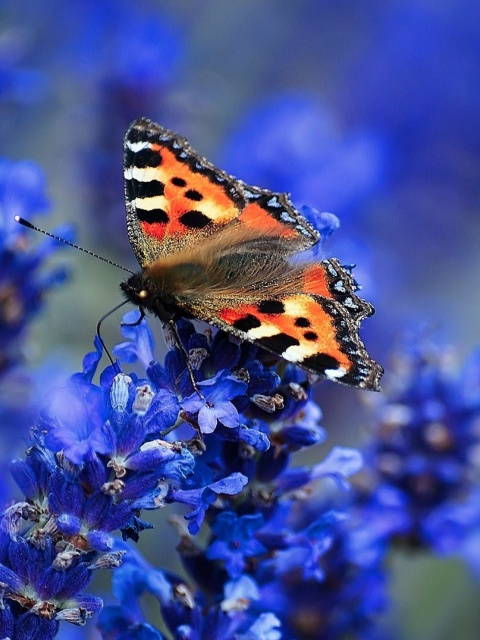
x,y
175,198
316,326
274,214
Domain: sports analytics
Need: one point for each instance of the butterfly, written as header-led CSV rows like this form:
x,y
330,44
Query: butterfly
x,y
218,250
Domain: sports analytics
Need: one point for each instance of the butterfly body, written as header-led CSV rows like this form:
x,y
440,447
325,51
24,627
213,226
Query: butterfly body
x,y
218,250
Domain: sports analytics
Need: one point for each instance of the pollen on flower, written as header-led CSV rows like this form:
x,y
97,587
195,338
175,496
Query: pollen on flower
x,y
113,488
143,399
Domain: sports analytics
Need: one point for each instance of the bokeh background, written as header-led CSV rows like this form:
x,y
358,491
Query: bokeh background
x,y
368,109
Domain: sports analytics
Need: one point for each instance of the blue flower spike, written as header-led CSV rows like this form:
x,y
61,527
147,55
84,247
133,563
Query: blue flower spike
x,y
103,453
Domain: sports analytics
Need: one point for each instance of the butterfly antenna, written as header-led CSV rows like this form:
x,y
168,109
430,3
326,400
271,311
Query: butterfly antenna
x,y
29,225
99,324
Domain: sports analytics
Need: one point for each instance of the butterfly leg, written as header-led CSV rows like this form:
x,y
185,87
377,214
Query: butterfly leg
x,y
137,322
99,336
183,351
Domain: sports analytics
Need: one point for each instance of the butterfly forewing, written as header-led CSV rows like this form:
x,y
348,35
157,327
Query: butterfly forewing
x,y
175,197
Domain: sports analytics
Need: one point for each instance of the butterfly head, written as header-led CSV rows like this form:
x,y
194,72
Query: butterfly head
x,y
143,292
137,289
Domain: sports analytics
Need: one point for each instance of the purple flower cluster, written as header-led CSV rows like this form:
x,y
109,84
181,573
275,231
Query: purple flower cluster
x,y
40,586
101,454
422,462
23,279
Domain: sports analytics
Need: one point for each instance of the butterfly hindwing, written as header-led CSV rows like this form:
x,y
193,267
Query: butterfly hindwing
x,y
315,327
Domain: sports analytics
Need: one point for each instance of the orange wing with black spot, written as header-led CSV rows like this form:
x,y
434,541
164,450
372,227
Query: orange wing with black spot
x,y
315,327
175,198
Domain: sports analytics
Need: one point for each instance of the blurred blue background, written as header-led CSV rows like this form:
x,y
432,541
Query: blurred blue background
x,y
368,109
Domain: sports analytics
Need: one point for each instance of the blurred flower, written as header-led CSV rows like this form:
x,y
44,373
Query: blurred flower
x,y
19,84
412,79
333,595
24,280
127,46
234,540
419,66
423,459
293,143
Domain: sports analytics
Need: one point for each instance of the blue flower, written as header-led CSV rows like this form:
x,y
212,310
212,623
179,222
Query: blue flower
x,y
140,344
426,438
216,405
184,615
301,429
24,280
129,582
45,583
234,540
203,497
115,622
311,578
454,529
302,549
86,518
75,423
266,627
338,465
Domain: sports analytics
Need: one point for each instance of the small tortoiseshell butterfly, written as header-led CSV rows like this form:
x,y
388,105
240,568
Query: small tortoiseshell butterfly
x,y
216,249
